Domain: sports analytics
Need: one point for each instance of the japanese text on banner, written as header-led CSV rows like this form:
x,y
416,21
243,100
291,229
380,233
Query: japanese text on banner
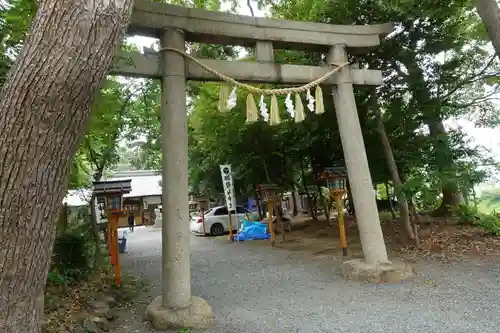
x,y
227,183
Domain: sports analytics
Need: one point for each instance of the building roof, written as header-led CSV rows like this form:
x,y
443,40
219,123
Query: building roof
x,y
145,183
143,186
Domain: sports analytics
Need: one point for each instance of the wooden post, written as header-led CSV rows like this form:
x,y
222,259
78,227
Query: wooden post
x,y
111,236
141,211
230,217
270,208
116,250
110,242
340,218
113,219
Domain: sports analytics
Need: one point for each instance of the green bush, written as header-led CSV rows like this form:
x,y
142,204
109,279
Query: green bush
x,y
56,279
491,223
467,214
70,257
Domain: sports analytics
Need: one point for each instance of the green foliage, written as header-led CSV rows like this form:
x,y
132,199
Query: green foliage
x,y
15,19
70,256
470,214
435,66
467,214
57,279
112,113
491,223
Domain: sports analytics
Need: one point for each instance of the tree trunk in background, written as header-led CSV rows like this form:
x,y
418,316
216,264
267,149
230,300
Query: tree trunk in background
x,y
258,202
93,223
490,15
294,203
389,198
310,207
44,105
404,213
437,132
451,193
95,233
63,218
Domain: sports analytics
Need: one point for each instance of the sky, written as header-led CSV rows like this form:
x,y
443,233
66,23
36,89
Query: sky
x,y
487,137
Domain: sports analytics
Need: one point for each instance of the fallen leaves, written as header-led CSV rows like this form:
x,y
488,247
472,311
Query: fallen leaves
x,y
66,302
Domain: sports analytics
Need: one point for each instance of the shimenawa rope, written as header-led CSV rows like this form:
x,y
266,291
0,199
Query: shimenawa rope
x,y
251,106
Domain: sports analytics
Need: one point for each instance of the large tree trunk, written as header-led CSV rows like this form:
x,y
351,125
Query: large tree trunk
x,y
490,14
437,132
450,190
44,105
393,170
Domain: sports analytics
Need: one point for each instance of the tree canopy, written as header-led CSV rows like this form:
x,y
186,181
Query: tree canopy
x,y
437,65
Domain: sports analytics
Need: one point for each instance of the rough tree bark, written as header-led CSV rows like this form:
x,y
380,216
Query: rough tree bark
x,y
490,15
44,105
451,192
393,170
437,132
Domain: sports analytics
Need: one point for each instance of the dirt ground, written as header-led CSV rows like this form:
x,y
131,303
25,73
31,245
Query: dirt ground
x,y
443,240
254,288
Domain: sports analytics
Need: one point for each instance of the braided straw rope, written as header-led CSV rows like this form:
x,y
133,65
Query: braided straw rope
x,y
256,90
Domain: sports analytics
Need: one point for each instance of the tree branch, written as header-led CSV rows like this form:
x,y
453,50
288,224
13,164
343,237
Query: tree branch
x,y
249,5
473,78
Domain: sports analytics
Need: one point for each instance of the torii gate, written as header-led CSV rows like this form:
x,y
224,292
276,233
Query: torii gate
x,y
174,26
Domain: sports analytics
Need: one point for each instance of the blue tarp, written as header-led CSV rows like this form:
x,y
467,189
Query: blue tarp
x,y
251,230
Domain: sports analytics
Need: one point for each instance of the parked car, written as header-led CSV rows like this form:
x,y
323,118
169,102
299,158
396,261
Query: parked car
x,y
217,220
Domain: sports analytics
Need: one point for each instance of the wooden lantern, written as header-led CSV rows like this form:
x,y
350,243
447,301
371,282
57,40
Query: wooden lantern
x,y
336,179
111,194
269,193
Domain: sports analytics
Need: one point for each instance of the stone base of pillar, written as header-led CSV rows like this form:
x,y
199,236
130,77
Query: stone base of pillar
x,y
390,272
196,316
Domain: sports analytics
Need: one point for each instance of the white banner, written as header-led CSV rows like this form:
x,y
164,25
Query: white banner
x,y
100,211
227,183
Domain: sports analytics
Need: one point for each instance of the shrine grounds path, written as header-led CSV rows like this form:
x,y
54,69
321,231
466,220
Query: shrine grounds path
x,y
256,289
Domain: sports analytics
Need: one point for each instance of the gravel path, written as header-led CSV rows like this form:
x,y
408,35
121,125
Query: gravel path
x,y
255,289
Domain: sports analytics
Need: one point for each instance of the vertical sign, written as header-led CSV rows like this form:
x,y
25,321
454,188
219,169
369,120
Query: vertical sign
x,y
227,183
100,210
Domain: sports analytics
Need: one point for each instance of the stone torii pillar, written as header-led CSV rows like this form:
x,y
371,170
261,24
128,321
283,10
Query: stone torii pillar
x,y
176,308
375,267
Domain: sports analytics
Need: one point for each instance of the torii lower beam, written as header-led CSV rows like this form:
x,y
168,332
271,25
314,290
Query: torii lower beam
x,y
135,64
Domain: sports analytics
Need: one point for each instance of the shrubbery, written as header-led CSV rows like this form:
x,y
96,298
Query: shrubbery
x,y
470,214
71,256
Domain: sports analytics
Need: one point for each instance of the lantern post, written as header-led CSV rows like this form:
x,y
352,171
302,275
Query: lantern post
x,y
111,193
336,182
268,192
